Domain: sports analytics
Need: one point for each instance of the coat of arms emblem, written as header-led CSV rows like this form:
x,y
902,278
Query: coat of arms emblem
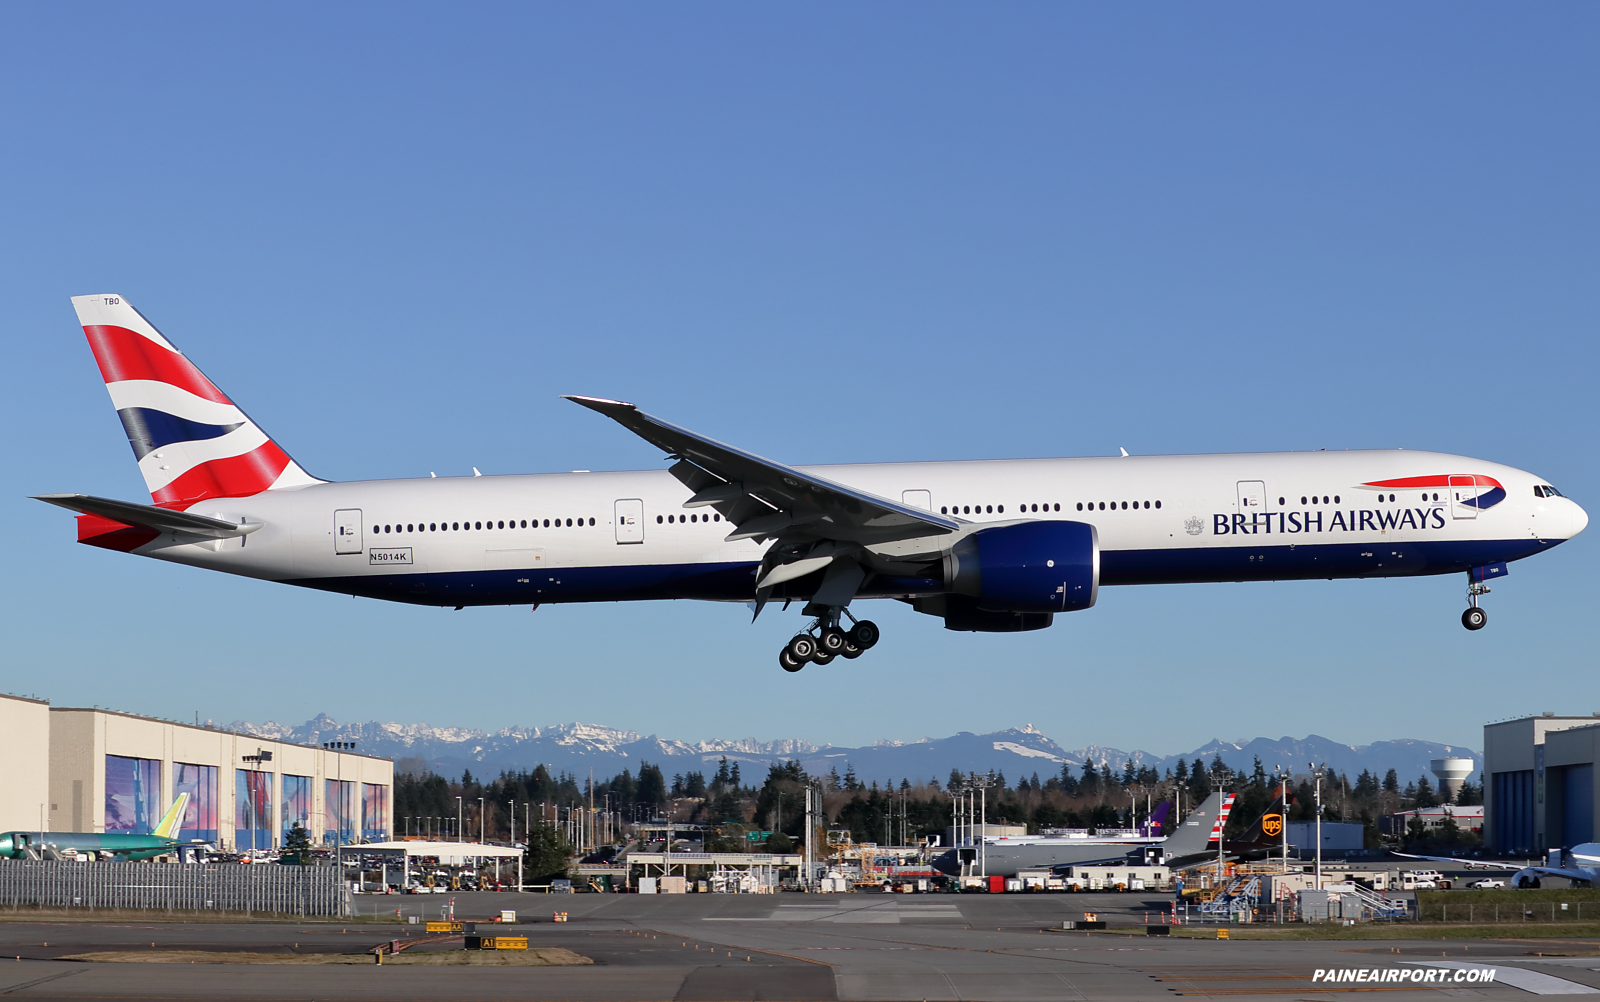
x,y
1194,525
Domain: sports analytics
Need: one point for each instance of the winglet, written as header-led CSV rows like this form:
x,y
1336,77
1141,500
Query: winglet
x,y
168,827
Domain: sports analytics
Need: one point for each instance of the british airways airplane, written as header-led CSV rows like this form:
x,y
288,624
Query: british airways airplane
x,y
986,546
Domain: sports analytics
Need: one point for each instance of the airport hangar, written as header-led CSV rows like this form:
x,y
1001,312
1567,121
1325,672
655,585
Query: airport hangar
x,y
94,770
1539,788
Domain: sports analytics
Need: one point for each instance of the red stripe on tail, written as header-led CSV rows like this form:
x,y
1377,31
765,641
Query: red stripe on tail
x,y
234,477
123,354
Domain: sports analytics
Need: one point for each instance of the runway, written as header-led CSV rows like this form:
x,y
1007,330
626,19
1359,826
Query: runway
x,y
799,948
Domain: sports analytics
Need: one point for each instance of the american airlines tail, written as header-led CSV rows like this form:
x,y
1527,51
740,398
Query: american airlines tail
x,y
1200,828
191,442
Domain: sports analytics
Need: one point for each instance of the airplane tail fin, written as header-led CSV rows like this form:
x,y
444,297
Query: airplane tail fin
x,y
191,442
1268,827
168,826
1198,828
1157,820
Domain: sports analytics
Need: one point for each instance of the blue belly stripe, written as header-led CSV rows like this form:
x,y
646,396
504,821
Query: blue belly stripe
x,y
733,582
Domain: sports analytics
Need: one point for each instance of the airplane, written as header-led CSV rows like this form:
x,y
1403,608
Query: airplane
x,y
1005,856
986,546
1584,860
160,841
1262,839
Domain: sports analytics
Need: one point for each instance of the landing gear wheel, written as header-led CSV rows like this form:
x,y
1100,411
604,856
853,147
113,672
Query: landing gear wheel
x,y
865,634
788,662
1474,618
833,640
821,658
851,651
802,647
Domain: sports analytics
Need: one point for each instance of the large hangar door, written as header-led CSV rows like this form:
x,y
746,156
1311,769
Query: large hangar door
x,y
630,521
347,530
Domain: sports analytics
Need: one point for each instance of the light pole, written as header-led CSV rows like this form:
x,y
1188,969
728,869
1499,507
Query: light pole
x,y
480,820
458,817
1318,774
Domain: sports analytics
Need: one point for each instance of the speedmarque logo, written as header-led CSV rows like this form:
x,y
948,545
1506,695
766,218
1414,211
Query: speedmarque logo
x,y
1396,975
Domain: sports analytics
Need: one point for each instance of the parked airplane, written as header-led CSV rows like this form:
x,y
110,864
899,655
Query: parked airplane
x,y
1581,863
1263,839
1005,856
987,546
160,841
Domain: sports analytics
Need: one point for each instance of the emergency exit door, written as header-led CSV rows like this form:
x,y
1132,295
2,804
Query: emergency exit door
x,y
1252,496
347,530
630,521
1463,497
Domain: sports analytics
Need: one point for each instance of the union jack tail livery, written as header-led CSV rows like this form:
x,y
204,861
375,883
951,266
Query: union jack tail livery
x,y
192,444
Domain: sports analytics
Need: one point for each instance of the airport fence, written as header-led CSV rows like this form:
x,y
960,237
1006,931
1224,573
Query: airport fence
x,y
285,890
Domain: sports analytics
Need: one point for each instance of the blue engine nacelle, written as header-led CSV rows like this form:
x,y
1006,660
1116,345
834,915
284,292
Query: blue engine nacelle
x,y
1028,567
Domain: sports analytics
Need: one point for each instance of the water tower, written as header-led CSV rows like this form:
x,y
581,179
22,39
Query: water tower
x,y
1452,772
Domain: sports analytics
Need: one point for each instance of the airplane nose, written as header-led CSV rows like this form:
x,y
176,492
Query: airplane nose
x,y
1578,519
945,862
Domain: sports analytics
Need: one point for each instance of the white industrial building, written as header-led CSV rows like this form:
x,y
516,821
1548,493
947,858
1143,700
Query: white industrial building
x,y
93,770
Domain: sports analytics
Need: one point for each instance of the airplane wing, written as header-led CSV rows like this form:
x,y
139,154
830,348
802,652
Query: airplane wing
x,y
765,499
149,516
1468,863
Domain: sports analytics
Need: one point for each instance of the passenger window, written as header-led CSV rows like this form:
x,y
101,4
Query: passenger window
x,y
569,523
376,530
942,510
433,527
547,523
1058,507
1002,509
386,528
1080,506
524,523
1335,499
991,509
591,521
659,520
1280,502
1158,504
1124,506
716,518
477,525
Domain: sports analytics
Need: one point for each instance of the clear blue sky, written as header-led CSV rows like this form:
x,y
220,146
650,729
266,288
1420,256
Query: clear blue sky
x,y
395,233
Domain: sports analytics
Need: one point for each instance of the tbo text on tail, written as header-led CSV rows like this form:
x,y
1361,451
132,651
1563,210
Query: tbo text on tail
x,y
986,546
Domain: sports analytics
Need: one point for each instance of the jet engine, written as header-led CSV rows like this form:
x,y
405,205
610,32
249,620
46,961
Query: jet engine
x,y
1014,577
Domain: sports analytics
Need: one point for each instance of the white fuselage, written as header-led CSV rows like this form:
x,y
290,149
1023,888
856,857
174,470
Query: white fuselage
x,y
626,535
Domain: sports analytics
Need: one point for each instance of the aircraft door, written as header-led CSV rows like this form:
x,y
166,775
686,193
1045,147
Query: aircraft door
x,y
917,499
347,530
1252,497
1463,497
630,521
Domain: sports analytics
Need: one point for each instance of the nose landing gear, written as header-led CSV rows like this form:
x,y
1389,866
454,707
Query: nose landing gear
x,y
1475,618
825,640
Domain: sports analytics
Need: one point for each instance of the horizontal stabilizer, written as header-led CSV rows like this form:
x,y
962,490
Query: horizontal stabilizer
x,y
149,517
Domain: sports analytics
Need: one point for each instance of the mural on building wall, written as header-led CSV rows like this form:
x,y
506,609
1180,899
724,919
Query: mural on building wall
x,y
296,802
374,811
252,807
133,794
339,802
200,783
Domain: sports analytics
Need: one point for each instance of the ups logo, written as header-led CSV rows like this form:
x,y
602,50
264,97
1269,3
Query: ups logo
x,y
1272,824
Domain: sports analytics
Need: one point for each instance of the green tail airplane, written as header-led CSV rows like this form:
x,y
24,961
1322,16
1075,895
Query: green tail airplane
x,y
161,840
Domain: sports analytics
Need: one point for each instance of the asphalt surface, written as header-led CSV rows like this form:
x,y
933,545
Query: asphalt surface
x,y
802,948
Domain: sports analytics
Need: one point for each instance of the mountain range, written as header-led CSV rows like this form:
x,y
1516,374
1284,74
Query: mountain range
x,y
1017,752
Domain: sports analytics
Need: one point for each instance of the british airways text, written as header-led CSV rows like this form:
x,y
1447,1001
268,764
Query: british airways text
x,y
1290,522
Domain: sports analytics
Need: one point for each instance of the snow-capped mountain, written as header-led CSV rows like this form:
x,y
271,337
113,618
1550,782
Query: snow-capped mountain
x,y
1017,752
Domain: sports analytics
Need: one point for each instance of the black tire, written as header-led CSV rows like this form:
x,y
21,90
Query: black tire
x,y
822,657
1474,618
851,651
787,661
833,640
865,634
802,647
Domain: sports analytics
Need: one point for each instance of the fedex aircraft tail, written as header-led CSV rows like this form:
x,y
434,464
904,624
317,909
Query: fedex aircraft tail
x,y
190,441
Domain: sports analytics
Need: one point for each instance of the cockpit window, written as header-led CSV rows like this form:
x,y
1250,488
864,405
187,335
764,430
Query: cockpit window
x,y
1546,491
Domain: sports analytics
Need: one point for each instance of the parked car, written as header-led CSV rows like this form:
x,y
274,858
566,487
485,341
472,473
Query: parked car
x,y
1487,882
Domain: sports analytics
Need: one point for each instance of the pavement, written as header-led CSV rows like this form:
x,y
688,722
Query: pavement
x,y
800,948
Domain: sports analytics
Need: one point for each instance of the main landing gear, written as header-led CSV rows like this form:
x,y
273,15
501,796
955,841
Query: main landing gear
x,y
825,640
1475,618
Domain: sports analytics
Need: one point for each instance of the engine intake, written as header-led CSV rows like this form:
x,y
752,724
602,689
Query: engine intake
x,y
1028,567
